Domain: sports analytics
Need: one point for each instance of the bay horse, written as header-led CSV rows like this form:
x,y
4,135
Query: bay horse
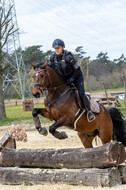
x,y
61,106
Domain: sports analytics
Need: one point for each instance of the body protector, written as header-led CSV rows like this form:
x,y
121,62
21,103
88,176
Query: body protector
x,y
65,65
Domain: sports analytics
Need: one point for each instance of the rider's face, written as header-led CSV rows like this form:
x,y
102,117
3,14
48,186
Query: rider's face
x,y
59,50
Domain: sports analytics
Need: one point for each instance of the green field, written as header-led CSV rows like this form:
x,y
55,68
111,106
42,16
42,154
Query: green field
x,y
16,114
109,89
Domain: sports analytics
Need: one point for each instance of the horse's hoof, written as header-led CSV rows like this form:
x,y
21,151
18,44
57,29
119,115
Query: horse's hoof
x,y
43,131
64,135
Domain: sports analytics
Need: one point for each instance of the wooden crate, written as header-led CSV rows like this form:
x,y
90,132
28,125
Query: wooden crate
x,y
28,105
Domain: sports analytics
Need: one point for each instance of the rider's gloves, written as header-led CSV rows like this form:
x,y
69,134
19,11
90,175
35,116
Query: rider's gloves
x,y
70,79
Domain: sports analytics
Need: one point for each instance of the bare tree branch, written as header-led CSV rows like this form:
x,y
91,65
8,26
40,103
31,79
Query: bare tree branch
x,y
1,14
6,17
8,34
5,29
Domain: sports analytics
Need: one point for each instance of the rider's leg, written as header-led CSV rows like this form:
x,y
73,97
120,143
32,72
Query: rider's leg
x,y
79,83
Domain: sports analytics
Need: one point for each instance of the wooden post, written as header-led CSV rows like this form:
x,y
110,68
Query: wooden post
x,y
7,142
90,177
15,103
72,158
122,170
124,81
106,93
87,77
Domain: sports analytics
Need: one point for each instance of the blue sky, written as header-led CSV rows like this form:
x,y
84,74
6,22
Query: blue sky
x,y
97,25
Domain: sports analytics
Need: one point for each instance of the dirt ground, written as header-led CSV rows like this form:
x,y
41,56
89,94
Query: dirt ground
x,y
35,140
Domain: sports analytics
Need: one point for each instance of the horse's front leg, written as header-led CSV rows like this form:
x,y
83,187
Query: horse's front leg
x,y
57,134
44,113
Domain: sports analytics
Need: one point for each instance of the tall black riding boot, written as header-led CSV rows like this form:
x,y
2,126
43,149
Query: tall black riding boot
x,y
86,103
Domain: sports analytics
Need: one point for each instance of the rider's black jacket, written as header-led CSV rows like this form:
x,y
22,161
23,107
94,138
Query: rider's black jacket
x,y
66,65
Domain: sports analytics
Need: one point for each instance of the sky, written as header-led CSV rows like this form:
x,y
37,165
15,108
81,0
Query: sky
x,y
97,25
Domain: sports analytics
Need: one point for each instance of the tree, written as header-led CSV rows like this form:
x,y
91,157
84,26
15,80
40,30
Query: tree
x,y
102,57
120,63
47,55
6,30
32,54
79,53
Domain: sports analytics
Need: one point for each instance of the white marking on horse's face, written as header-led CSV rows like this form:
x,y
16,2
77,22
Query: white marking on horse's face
x,y
36,74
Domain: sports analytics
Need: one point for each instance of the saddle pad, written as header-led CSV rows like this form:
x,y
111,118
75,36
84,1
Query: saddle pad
x,y
94,106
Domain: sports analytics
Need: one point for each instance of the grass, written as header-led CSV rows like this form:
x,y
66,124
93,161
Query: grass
x,y
109,89
123,111
122,108
16,114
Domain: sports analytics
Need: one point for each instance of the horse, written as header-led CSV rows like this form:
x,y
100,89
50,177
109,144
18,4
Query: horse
x,y
61,105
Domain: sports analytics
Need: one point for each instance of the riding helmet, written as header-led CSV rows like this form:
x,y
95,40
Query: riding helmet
x,y
58,43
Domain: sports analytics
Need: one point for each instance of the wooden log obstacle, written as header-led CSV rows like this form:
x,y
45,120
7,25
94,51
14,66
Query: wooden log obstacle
x,y
90,177
108,155
95,166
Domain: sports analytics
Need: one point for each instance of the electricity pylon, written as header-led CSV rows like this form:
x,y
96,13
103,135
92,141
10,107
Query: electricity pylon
x,y
16,74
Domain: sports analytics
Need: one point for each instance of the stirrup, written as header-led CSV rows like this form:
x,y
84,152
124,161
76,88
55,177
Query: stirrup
x,y
88,117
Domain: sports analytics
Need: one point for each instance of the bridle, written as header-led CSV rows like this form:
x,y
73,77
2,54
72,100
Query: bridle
x,y
38,85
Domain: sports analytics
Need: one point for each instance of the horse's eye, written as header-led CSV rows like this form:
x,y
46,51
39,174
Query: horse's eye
x,y
42,76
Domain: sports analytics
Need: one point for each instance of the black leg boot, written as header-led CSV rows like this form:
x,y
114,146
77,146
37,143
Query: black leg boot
x,y
86,103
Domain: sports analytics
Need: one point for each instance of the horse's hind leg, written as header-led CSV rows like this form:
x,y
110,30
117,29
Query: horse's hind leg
x,y
106,131
86,141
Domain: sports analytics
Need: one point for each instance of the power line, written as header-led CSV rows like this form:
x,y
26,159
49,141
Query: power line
x,y
98,33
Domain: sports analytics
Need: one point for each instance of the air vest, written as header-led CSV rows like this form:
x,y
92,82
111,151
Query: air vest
x,y
64,68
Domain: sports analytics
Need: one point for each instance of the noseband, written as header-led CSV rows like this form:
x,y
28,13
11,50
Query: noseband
x,y
38,84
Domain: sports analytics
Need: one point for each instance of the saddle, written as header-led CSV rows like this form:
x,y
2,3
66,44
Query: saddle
x,y
93,104
94,108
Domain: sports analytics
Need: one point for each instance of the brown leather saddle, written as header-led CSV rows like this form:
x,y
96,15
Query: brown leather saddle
x,y
94,105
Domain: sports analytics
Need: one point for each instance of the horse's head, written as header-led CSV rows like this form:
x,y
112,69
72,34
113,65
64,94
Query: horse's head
x,y
40,79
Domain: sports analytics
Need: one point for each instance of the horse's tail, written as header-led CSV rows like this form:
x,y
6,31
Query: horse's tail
x,y
119,126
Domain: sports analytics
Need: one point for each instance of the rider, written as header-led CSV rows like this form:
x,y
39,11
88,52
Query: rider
x,y
66,65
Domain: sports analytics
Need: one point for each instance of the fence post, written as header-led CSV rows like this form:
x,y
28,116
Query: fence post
x,y
124,81
106,93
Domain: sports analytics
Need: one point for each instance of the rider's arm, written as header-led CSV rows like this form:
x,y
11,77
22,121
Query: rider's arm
x,y
74,66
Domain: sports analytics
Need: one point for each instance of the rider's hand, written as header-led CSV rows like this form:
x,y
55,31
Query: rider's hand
x,y
70,80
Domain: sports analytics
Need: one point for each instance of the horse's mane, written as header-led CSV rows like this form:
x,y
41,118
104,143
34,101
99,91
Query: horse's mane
x,y
55,75
53,68
39,65
42,66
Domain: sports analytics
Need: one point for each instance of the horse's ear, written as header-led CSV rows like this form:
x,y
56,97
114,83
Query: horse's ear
x,y
33,66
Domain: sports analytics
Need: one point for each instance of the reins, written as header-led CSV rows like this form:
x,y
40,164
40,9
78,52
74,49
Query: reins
x,y
58,98
61,95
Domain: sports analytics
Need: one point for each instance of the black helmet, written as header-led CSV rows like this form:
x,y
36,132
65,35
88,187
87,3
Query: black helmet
x,y
58,43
